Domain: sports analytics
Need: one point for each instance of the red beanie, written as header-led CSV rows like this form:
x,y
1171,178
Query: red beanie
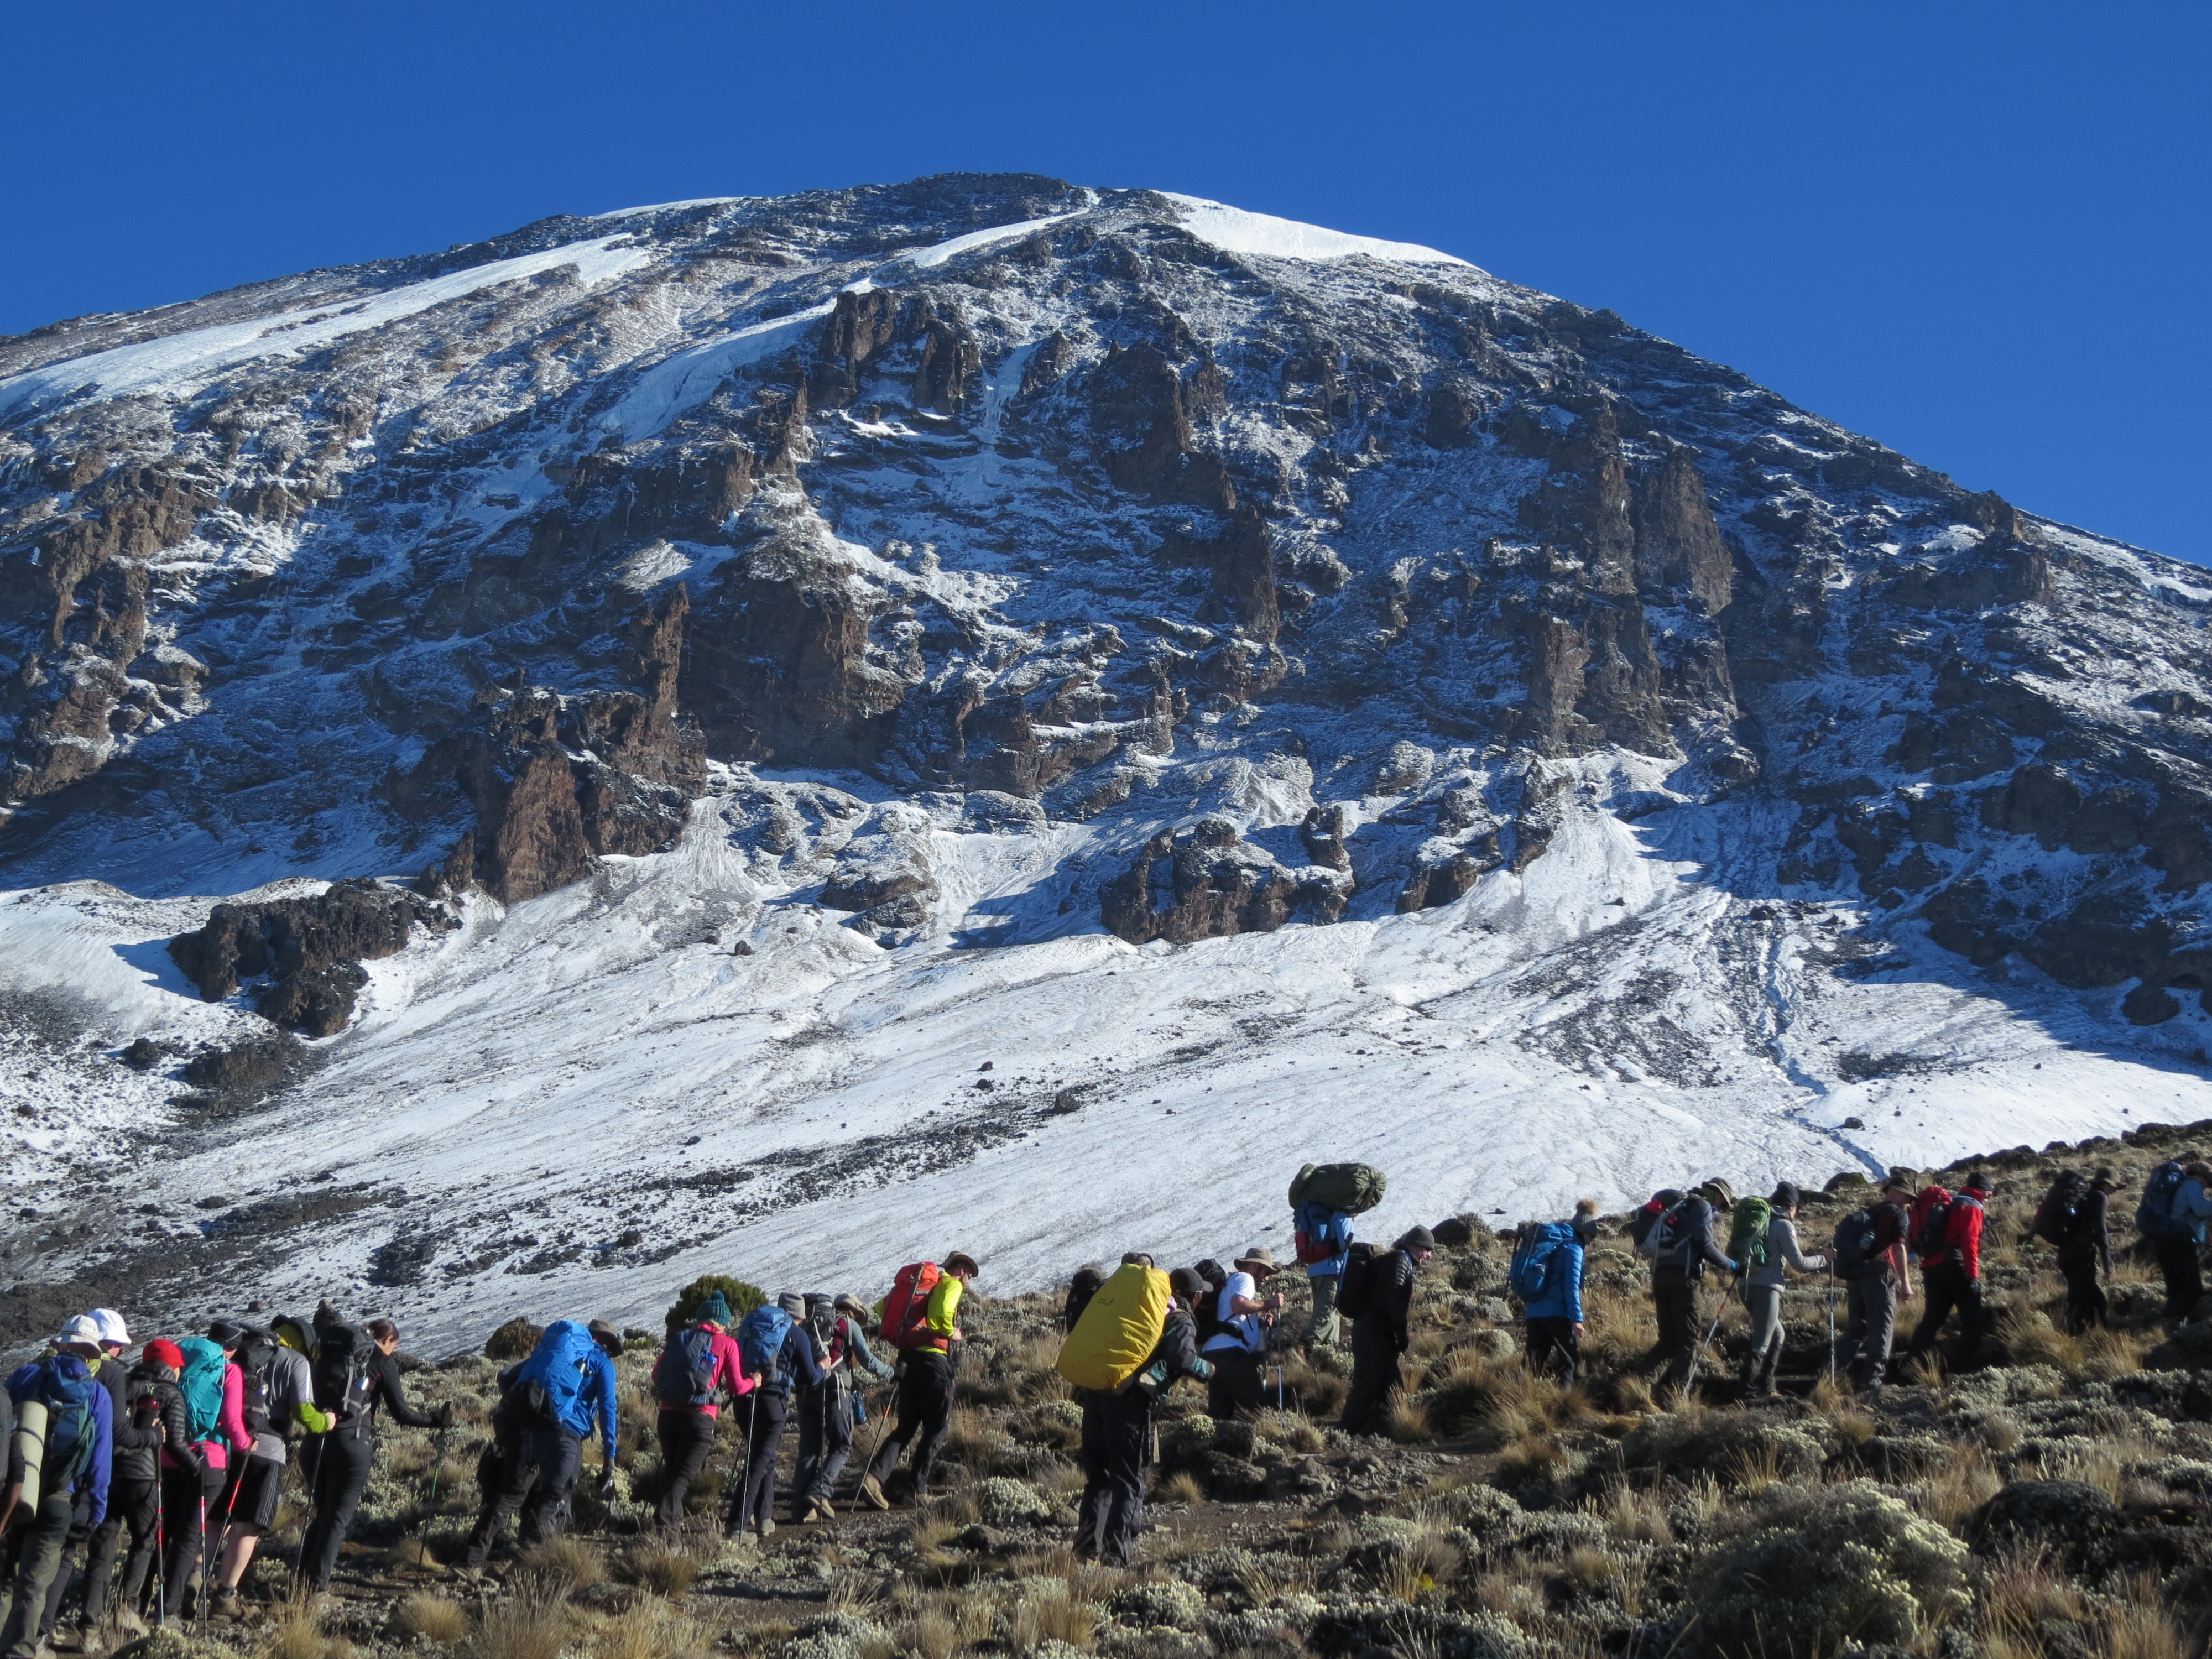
x,y
162,1352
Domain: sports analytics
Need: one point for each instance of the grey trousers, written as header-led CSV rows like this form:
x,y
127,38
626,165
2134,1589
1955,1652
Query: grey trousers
x,y
1326,1327
1869,1326
43,1543
1765,1301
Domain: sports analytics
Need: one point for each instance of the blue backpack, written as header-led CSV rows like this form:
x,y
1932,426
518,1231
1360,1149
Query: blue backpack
x,y
760,1343
2154,1215
64,1386
1537,1259
553,1376
684,1374
201,1384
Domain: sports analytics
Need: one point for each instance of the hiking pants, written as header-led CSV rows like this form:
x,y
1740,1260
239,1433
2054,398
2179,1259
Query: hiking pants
x,y
1869,1326
1374,1376
1949,1288
38,1560
1117,1437
1765,1301
1327,1325
2185,1281
341,1477
825,1441
557,1458
687,1441
1553,1345
66,1571
755,1500
1238,1383
506,1476
188,1494
2085,1299
1675,1296
924,1415
132,1505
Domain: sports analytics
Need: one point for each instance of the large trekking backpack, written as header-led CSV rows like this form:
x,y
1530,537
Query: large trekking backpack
x,y
55,1425
685,1373
256,1360
339,1371
906,1309
1854,1248
1350,1187
1118,1331
1356,1290
761,1336
1748,1225
1931,1214
1321,1237
2055,1217
1643,1225
1667,1237
548,1383
2155,1212
1538,1259
201,1384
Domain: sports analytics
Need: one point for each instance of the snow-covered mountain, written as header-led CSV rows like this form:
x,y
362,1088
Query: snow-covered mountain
x,y
984,712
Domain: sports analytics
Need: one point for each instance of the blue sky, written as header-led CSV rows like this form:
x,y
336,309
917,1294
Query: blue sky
x,y
1976,232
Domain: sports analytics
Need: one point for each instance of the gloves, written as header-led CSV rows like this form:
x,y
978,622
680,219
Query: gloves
x,y
445,1415
607,1487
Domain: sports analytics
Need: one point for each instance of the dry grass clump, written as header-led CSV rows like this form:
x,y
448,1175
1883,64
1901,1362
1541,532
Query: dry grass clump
x,y
1290,1432
436,1619
1958,1486
1407,1421
2018,1599
1317,1393
1638,1515
529,1626
665,1569
298,1634
1057,1612
650,1630
1181,1487
563,1566
1412,1573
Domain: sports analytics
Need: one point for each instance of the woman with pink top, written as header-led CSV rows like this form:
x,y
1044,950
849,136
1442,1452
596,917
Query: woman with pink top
x,y
214,1392
699,1365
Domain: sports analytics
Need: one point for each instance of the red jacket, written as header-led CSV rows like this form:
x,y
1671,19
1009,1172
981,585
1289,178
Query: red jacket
x,y
1962,1236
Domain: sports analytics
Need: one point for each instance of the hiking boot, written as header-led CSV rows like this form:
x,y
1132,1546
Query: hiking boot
x,y
765,1526
871,1492
224,1603
823,1511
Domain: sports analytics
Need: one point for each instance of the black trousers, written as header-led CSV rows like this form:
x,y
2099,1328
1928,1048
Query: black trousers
x,y
755,1498
1374,1375
2085,1306
1117,1434
1239,1382
1553,1347
2184,1279
341,1476
924,1417
687,1441
1949,1289
133,1506
1674,1298
66,1573
506,1475
188,1496
38,1560
825,1441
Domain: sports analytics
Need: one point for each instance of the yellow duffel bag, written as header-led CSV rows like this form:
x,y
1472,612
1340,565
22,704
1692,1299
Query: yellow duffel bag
x,y
1118,1331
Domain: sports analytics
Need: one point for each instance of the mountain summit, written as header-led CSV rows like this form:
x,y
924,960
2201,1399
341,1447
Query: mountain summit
x,y
565,756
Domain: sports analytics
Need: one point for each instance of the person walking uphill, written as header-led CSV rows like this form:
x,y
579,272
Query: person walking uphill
x,y
1767,1256
280,1394
1378,1295
552,1401
1869,1258
355,1377
2177,1202
2085,1245
1117,1430
76,1458
780,1355
1324,1237
699,1367
924,1331
1237,1350
1950,1249
826,1414
213,1390
158,1429
1548,1271
1680,1246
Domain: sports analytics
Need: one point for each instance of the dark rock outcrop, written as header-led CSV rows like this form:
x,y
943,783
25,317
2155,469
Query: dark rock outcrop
x,y
1209,883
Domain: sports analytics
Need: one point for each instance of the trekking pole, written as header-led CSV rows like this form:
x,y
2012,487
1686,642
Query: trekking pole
x,y
212,1551
161,1549
423,1557
1832,1330
1698,1358
200,1601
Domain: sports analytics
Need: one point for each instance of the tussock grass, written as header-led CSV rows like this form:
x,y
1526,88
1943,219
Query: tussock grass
x,y
298,1634
1638,1514
436,1619
666,1570
1053,1613
650,1631
1181,1487
564,1564
524,1627
1407,1421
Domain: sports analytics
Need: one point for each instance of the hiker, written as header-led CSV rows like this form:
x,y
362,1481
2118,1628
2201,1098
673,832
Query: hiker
x,y
1117,1430
1085,1285
699,1368
214,1393
279,1394
78,1457
1381,1298
1949,1244
1556,1273
553,1399
1766,1257
1869,1258
2085,1245
2172,1215
826,1414
1238,1349
366,1381
156,1427
1680,1245
925,1378
1324,1241
108,1370
780,1355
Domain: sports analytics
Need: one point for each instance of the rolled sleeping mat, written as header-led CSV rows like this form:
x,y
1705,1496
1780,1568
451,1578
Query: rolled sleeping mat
x,y
31,1444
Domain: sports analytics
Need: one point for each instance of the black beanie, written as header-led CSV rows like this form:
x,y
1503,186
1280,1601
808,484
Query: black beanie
x,y
1785,1195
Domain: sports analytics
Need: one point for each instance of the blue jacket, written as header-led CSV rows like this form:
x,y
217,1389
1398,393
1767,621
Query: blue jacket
x,y
93,1483
1334,1227
795,1361
1563,1285
587,1389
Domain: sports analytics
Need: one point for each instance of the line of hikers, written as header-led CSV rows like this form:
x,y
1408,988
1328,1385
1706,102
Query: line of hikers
x,y
180,1458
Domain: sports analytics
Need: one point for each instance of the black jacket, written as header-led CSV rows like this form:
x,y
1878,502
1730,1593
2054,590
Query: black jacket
x,y
141,1436
1174,1356
1692,1248
2090,1238
1389,1302
383,1391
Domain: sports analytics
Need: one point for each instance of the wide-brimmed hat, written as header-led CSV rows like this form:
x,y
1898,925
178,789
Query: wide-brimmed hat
x,y
112,1328
1718,1192
606,1335
1256,1261
82,1331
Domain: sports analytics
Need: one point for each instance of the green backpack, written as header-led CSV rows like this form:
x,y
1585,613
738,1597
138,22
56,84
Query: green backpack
x,y
1747,1224
201,1384
1350,1187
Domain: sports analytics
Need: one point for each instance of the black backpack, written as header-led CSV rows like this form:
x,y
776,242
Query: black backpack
x,y
340,1370
256,1360
1356,1291
2058,1216
1854,1248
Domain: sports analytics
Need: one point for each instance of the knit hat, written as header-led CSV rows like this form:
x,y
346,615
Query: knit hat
x,y
1785,1195
1129,1259
225,1333
792,1303
162,1352
1210,1270
1416,1238
606,1335
1717,1192
1979,1181
1186,1283
112,1328
2106,1177
713,1308
1585,1218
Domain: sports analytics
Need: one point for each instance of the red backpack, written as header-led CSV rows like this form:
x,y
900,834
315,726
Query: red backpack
x,y
906,1309
1932,1211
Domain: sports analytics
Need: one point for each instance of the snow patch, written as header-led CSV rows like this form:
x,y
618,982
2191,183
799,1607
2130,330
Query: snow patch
x,y
1234,230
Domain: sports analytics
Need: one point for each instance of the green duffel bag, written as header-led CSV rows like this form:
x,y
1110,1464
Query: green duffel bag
x,y
1350,1187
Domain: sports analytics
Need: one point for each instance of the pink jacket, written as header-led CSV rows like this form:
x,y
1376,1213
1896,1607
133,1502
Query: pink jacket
x,y
229,1425
729,1370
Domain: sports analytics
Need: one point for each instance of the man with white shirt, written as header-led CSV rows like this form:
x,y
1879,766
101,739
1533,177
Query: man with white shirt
x,y
1238,1350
